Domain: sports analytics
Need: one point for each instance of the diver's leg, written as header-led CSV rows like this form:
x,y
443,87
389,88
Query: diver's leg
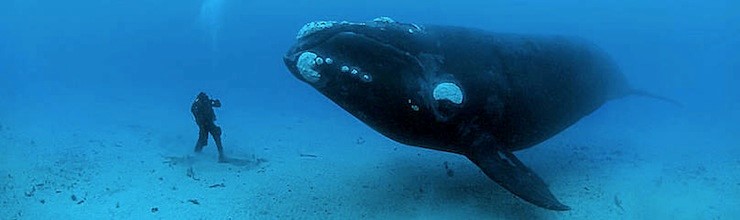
x,y
202,139
216,133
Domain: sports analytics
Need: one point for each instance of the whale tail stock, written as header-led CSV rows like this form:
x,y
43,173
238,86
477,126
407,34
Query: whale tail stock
x,y
647,94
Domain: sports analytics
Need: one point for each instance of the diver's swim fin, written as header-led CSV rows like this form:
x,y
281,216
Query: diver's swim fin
x,y
510,173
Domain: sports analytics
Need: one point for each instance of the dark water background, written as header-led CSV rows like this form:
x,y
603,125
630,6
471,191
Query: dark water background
x,y
81,65
161,52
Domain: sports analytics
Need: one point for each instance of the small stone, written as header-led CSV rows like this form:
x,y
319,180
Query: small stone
x,y
155,209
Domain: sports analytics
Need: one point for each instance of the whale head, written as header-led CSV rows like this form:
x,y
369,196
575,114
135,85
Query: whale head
x,y
372,70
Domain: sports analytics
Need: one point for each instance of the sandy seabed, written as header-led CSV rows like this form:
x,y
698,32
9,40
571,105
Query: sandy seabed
x,y
297,167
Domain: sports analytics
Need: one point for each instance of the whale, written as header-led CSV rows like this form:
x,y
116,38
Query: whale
x,y
480,94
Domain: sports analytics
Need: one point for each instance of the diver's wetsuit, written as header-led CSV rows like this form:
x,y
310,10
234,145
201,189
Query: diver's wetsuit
x,y
202,109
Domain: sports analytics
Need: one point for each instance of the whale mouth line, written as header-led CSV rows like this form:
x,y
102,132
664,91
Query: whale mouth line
x,y
315,44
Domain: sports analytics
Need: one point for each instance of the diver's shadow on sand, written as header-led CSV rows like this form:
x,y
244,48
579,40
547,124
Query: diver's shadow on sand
x,y
244,162
189,160
412,185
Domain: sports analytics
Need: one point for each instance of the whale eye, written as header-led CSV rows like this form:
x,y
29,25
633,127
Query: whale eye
x,y
448,91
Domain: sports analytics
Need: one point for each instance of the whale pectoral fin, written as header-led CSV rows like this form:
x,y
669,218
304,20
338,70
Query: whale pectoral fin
x,y
510,173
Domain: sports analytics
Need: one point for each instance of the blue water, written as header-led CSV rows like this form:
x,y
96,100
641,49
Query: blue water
x,y
96,98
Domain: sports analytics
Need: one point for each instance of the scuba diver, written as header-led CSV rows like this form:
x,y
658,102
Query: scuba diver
x,y
202,110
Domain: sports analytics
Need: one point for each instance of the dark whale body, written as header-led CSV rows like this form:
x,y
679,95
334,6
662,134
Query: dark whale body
x,y
461,90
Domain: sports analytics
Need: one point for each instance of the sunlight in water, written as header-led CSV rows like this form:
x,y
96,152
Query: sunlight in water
x,y
209,19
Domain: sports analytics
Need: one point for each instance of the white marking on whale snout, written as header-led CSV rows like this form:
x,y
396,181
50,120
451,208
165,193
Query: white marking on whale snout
x,y
316,26
357,73
413,106
448,91
313,27
306,66
366,78
386,20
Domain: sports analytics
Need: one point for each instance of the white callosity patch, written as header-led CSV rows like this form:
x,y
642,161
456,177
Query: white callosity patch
x,y
413,106
355,72
366,78
306,66
329,61
313,27
415,29
416,26
384,20
448,91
